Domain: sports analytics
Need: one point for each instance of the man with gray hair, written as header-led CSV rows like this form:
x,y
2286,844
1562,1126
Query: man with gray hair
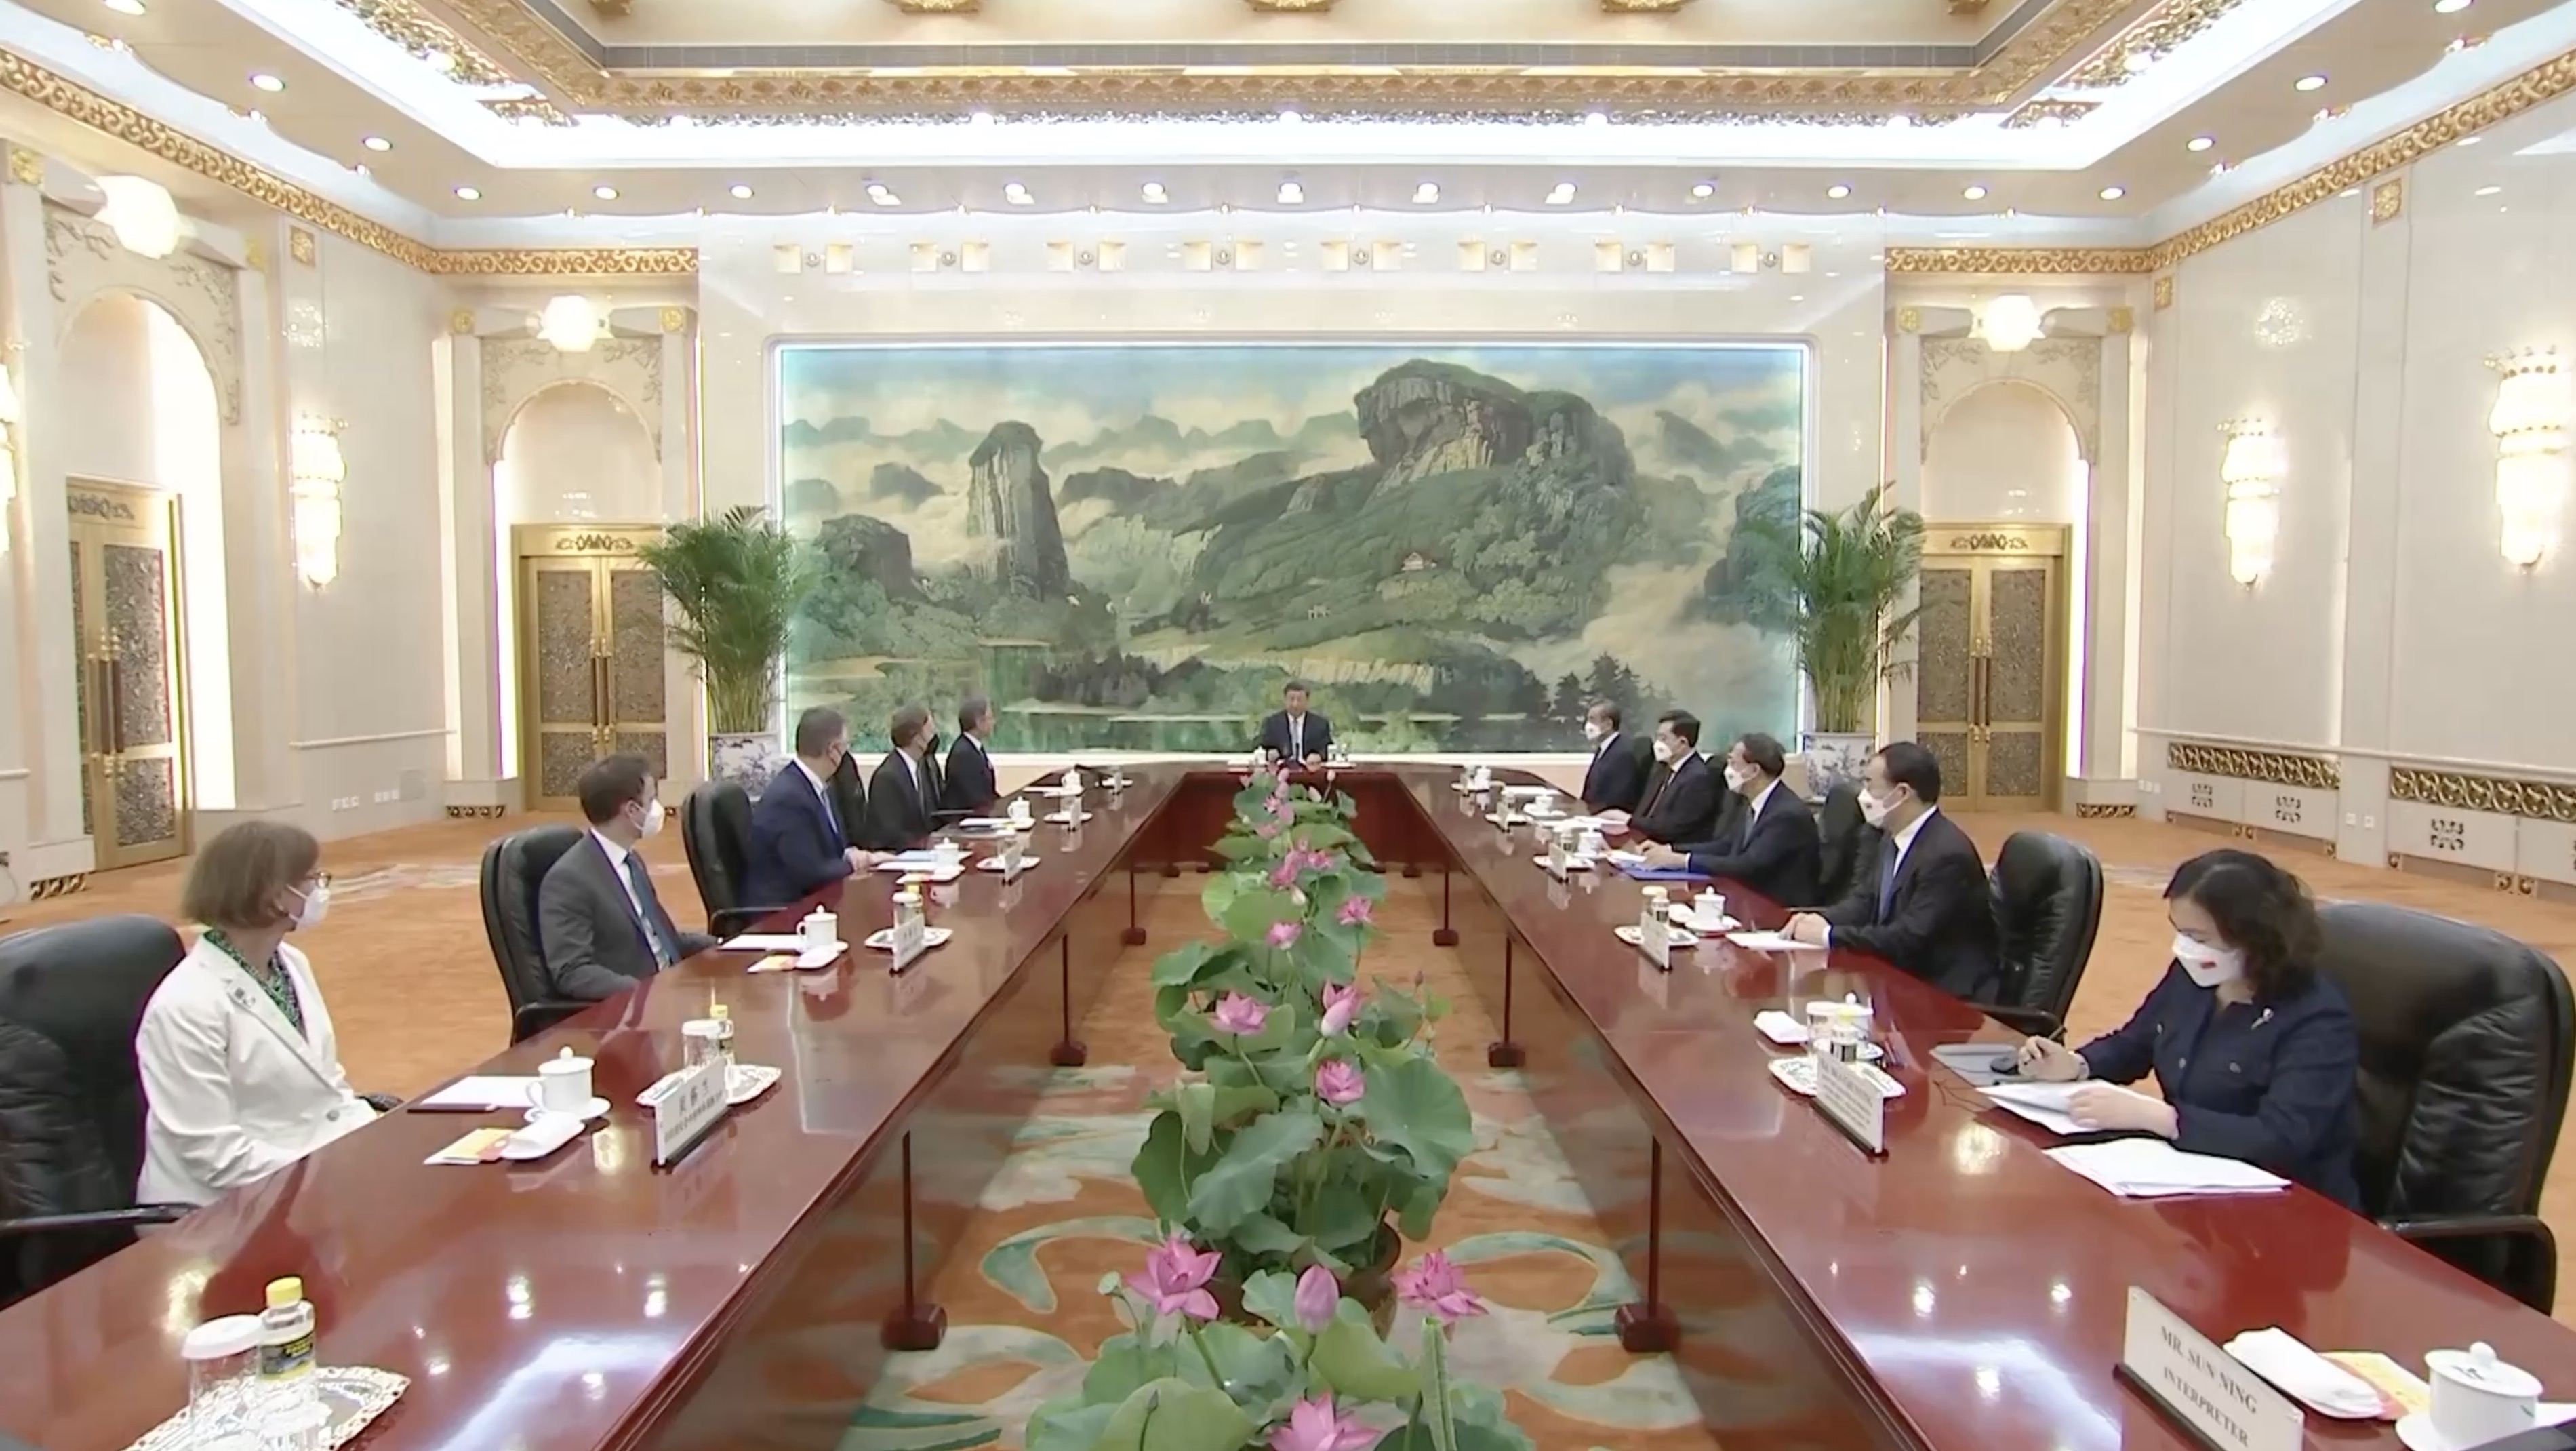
x,y
972,787
903,797
797,846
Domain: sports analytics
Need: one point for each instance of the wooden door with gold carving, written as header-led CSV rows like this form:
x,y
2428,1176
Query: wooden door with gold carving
x,y
130,699
1990,673
590,655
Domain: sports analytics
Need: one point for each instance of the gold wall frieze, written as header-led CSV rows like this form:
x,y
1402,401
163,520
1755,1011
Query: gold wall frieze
x,y
2155,35
26,168
2388,201
2164,292
2274,768
428,39
2018,261
2501,795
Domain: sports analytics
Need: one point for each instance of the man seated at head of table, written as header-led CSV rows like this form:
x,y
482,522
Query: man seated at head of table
x,y
1616,779
972,788
241,1071
1293,734
1772,846
2257,1056
798,846
1682,797
601,927
1921,903
903,797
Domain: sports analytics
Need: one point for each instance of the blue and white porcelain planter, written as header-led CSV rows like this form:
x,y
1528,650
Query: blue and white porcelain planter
x,y
1833,757
746,760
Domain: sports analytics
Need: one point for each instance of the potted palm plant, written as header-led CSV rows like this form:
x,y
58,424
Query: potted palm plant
x,y
737,581
1836,580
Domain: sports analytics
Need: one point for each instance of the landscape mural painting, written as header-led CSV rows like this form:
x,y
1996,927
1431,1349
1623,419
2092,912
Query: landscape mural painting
x,y
1136,547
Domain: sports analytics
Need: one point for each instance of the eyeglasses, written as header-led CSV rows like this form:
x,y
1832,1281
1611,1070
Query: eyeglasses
x,y
316,882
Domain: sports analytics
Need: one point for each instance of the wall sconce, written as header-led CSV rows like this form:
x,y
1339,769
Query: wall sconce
x,y
2252,469
9,415
2529,422
141,214
316,471
571,323
2009,323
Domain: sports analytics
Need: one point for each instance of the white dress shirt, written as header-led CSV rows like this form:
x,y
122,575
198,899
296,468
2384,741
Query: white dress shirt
x,y
1757,806
822,788
1902,839
232,1092
617,864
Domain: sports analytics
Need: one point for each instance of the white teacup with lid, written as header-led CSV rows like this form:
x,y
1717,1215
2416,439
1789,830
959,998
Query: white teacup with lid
x,y
2478,1398
820,929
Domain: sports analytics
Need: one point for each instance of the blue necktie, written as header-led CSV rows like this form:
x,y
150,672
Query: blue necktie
x,y
663,953
1887,878
831,817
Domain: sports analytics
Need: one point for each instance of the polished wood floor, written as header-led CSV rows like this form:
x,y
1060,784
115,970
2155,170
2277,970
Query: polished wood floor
x,y
416,999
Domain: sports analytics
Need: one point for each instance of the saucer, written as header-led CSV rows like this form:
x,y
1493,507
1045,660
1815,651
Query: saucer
x,y
882,940
596,1108
748,1081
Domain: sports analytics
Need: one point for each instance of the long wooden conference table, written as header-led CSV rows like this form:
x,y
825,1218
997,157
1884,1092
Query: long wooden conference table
x,y
1962,1293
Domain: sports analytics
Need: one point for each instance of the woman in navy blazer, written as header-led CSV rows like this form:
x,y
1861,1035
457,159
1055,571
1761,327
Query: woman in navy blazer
x,y
2255,1053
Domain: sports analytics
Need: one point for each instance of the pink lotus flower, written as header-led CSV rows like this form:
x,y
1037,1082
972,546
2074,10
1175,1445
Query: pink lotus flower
x,y
1236,1013
1175,1279
1341,1004
1280,807
1316,1426
1318,1295
1267,830
1284,934
1284,875
1337,1083
1434,1284
1356,912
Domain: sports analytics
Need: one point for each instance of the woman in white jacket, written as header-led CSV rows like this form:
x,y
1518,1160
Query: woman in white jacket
x,y
240,1069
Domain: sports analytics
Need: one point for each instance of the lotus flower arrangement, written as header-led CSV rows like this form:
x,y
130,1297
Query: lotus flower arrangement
x,y
1314,1119
1308,1373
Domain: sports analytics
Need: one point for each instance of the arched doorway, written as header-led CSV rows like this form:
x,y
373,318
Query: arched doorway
x,y
2005,484
141,444
576,487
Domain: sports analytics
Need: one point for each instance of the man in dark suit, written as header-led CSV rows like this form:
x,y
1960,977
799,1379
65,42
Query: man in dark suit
x,y
1292,734
1771,846
1682,796
1922,904
1616,779
903,796
971,788
599,925
798,845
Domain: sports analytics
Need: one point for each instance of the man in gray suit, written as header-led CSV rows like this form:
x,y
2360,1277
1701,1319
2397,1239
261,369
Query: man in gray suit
x,y
601,927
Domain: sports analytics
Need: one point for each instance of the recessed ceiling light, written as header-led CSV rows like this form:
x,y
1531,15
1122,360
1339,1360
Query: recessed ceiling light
x,y
2449,7
1838,191
468,194
883,195
2114,193
267,82
1596,118
1290,194
1703,191
1154,194
1974,193
1426,194
741,192
980,118
126,7
2310,83
2471,140
1017,195
378,143
2200,143
2489,190
604,193
1563,194
363,170
1289,118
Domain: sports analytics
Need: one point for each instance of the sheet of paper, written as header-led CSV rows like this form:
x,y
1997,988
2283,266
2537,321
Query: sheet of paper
x,y
764,942
2153,1169
1780,1028
2042,1103
478,1147
478,1095
1764,941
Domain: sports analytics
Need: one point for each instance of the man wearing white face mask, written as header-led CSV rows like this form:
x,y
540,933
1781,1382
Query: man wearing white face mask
x,y
599,924
1772,847
1617,775
2257,1055
1922,904
241,1071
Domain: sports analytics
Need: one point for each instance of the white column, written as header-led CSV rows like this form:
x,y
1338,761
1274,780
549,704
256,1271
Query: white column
x,y
260,580
688,737
2157,452
2371,525
1905,434
476,772
2108,546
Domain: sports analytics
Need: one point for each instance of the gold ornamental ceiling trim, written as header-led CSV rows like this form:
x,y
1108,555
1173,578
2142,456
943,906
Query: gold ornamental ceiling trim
x,y
2542,83
76,102
2040,51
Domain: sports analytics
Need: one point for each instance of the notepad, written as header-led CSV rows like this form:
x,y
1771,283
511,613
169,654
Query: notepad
x,y
764,942
2153,1169
1765,941
482,1094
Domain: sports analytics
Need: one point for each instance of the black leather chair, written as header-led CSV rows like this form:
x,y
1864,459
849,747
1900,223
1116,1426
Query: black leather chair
x,y
2466,1041
71,1098
514,867
2048,905
849,798
715,831
1846,843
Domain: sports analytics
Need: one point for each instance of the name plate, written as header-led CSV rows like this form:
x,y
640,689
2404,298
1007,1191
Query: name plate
x,y
1655,939
1851,1101
911,939
2209,1391
690,1104
1557,862
1015,858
